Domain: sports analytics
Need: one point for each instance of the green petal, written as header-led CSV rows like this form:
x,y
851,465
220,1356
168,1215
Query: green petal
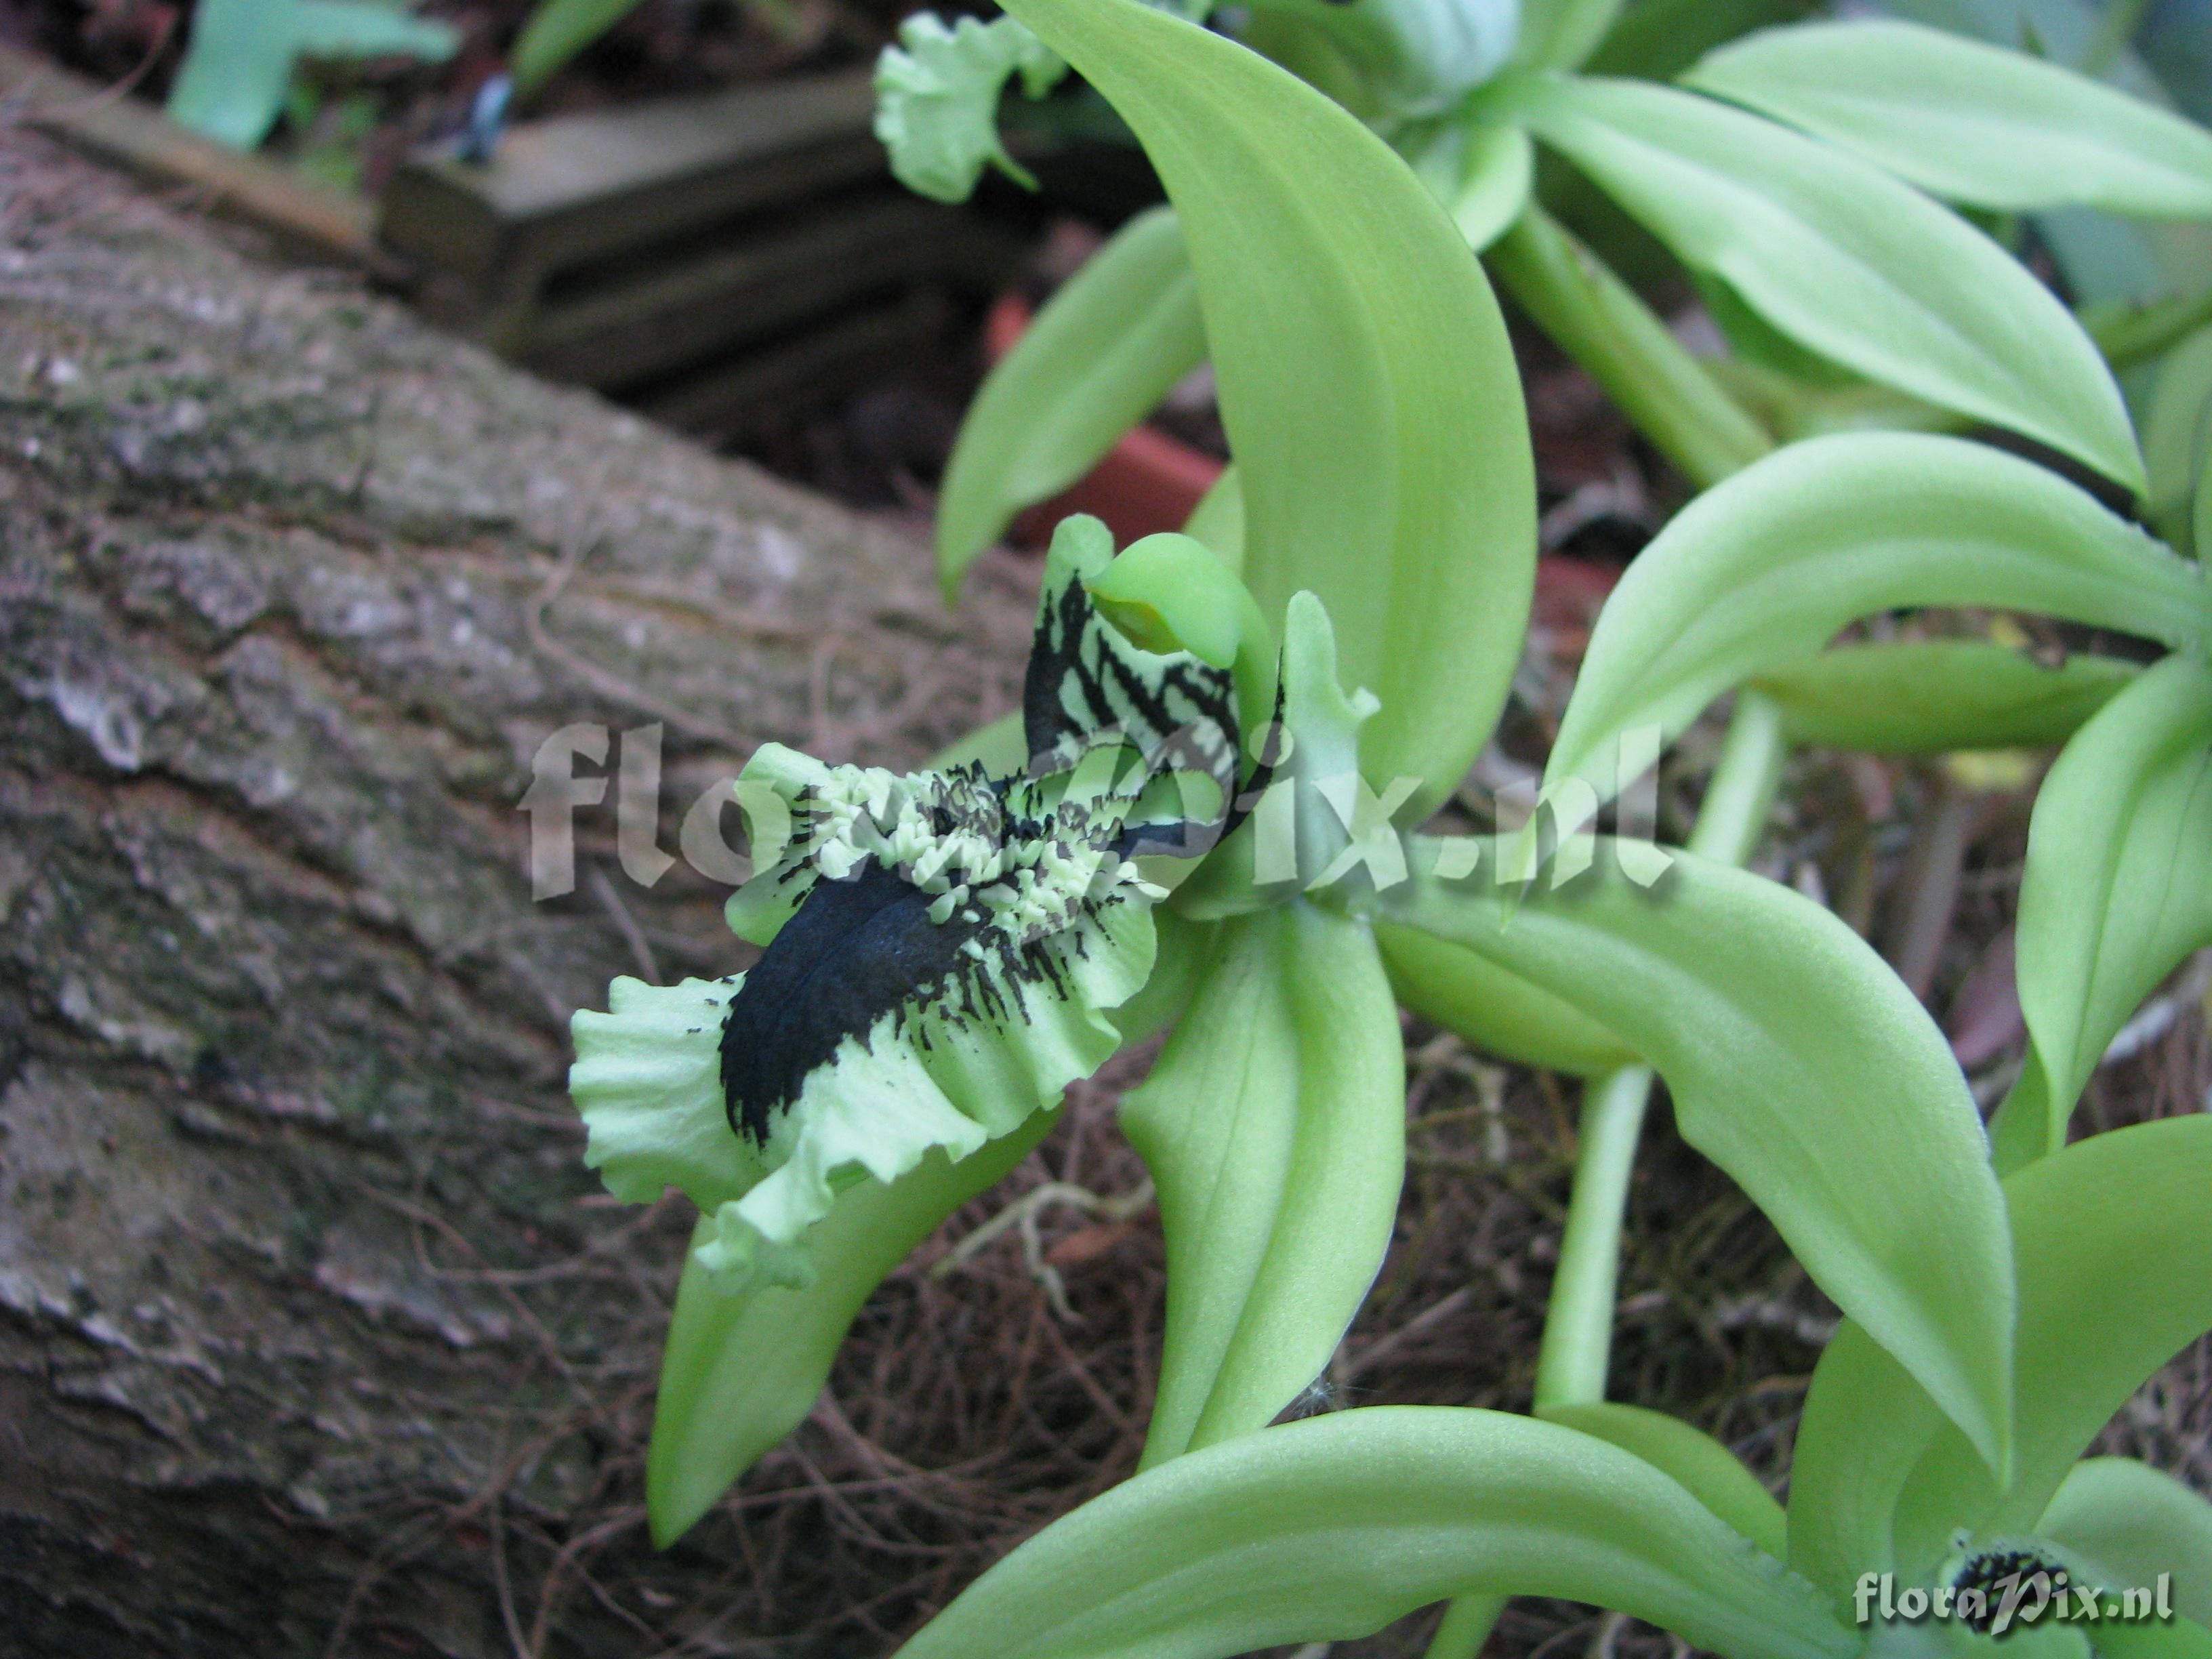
x,y
937,100
647,1080
2132,1522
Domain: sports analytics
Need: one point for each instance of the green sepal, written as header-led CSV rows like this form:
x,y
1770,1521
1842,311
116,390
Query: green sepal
x,y
742,1369
2132,1522
1273,1126
1366,381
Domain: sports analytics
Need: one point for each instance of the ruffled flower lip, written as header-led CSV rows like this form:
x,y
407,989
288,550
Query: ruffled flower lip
x,y
944,893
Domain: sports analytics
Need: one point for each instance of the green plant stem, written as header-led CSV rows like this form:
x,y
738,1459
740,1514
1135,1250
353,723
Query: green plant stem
x,y
1570,1367
1577,1343
1597,319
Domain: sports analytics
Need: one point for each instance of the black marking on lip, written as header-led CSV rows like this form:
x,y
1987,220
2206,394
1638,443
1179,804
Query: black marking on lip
x,y
1996,1573
854,951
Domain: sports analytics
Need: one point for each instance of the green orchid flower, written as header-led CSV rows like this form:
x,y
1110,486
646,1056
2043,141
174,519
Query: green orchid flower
x,y
943,950
1899,1539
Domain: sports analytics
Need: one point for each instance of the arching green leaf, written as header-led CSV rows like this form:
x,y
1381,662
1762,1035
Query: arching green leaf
x,y
1497,1012
1932,697
1802,1067
2118,884
1329,1528
1369,390
1844,259
1969,122
1274,1128
557,32
1763,570
1104,351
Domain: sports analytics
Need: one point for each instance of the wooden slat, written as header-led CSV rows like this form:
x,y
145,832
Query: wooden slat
x,y
752,287
138,138
581,186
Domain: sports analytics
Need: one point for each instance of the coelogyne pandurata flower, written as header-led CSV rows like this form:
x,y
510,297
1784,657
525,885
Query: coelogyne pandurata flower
x,y
943,948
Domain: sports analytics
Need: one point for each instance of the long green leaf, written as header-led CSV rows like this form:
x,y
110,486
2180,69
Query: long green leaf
x,y
2118,884
1934,696
2133,1523
231,85
1802,1067
1366,381
2113,1238
557,32
1329,1528
1274,1128
1844,259
1763,570
1497,1012
740,1372
1104,351
1969,122
2177,438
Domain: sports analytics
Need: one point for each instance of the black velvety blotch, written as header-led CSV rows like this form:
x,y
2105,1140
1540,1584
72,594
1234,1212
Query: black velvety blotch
x,y
852,952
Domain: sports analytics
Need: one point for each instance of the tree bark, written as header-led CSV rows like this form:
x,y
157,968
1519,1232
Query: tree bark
x,y
307,1303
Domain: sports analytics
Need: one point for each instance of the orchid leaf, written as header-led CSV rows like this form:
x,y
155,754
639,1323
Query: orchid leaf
x,y
557,32
1560,35
1801,1064
2113,1238
1711,1473
1495,1009
937,100
2118,884
741,1370
1369,390
1934,696
1496,175
1969,122
1273,1126
1763,570
1104,349
239,63
1843,259
1329,1528
2178,439
2132,1523
1218,520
